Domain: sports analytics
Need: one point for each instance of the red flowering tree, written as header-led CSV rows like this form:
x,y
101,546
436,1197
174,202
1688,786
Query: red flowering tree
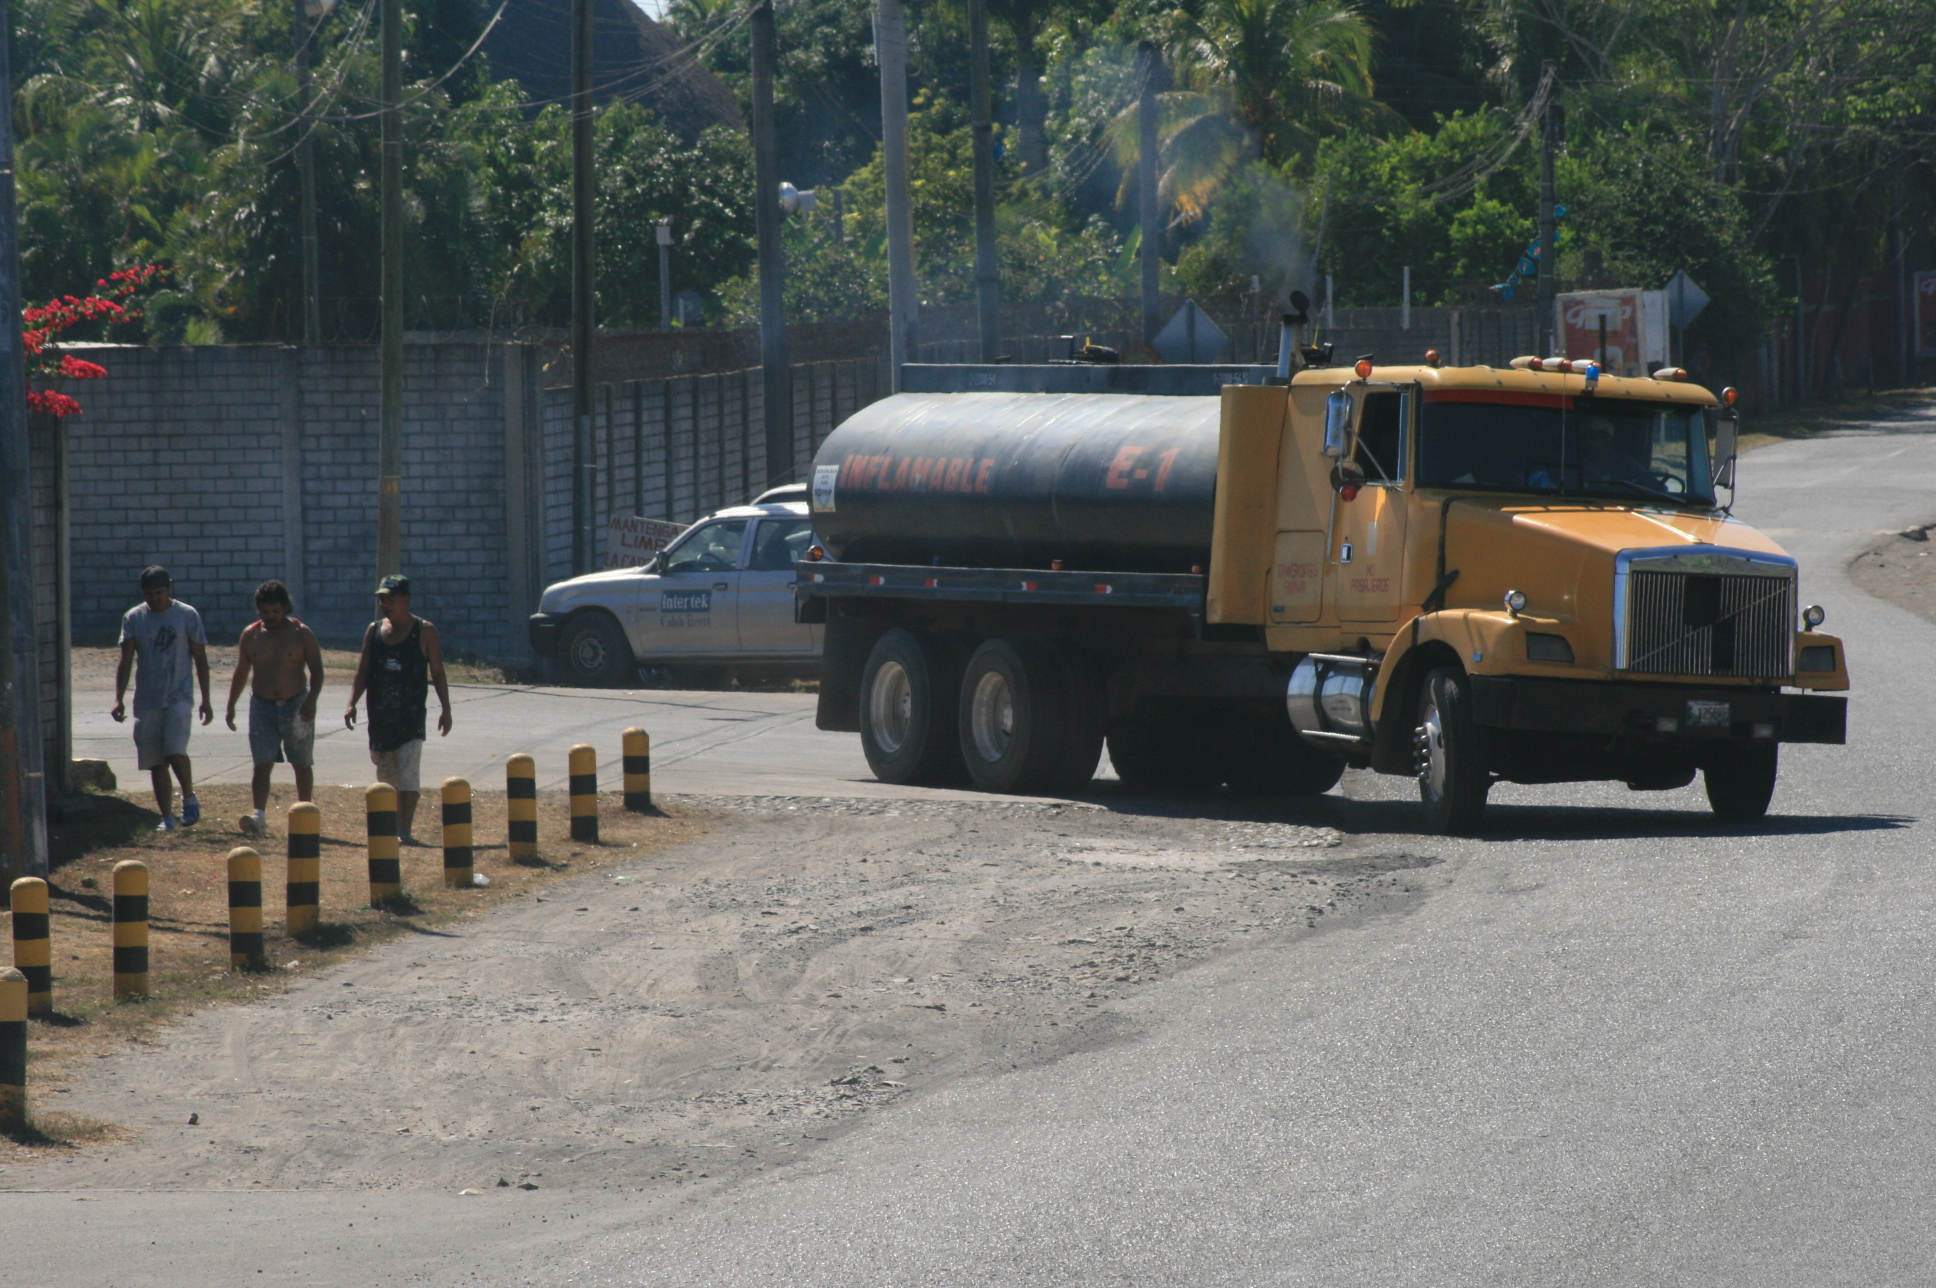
x,y
114,302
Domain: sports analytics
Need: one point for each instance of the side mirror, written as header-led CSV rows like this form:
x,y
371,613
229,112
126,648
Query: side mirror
x,y
1727,435
1337,423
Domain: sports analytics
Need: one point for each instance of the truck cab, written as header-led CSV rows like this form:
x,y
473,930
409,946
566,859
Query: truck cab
x,y
1530,571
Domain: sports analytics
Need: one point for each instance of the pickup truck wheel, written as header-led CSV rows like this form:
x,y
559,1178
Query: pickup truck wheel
x,y
1011,726
1449,752
1739,788
594,652
907,711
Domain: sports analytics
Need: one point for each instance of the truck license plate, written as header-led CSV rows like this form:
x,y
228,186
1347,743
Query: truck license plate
x,y
1703,714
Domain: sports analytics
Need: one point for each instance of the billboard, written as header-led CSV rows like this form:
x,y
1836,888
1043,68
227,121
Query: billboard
x,y
1625,330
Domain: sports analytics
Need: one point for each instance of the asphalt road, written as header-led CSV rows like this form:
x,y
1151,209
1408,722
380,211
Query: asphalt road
x,y
1607,1043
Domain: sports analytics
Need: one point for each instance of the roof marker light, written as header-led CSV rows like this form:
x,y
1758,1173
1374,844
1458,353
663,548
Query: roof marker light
x,y
1431,357
1671,373
1362,368
1729,394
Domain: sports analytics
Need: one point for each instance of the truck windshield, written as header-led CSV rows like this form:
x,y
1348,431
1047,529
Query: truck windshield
x,y
1597,447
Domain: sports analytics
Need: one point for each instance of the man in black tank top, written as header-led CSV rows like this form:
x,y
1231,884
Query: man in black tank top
x,y
402,657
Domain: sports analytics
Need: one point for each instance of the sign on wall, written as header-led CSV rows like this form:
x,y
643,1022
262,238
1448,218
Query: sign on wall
x,y
1626,331
1926,313
631,541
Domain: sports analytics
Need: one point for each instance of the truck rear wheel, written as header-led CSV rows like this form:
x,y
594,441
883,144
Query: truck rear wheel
x,y
1162,748
1739,788
1449,751
1012,721
1271,759
1085,712
907,711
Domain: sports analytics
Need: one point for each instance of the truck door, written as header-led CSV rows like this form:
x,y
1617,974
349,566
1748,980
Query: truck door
x,y
1368,532
692,606
766,624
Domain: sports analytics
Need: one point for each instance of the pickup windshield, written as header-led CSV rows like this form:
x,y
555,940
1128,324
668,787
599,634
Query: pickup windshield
x,y
1599,447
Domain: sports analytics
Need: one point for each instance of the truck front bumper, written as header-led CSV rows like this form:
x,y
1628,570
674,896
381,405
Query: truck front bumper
x,y
1679,712
544,633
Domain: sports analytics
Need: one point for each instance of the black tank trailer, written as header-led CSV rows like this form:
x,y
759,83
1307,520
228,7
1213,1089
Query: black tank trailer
x,y
1012,560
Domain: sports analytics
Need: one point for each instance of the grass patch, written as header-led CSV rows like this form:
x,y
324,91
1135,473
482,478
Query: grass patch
x,y
1815,418
188,946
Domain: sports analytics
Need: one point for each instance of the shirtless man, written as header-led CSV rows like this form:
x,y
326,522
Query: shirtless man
x,y
282,709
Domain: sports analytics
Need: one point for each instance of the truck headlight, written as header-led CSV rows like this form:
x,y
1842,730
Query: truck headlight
x,y
1515,602
1813,616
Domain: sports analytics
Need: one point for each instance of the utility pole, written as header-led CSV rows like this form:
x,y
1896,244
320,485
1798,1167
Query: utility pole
x,y
304,27
23,778
1551,121
988,281
1148,65
584,480
776,380
890,49
389,483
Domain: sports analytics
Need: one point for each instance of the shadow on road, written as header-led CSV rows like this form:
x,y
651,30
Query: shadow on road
x,y
1503,822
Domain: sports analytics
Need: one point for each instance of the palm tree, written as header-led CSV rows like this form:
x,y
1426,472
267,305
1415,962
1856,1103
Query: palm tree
x,y
1255,79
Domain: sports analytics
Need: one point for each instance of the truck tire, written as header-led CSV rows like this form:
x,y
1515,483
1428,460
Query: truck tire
x,y
593,652
1158,748
907,711
1450,754
1273,760
1011,717
1085,704
1739,788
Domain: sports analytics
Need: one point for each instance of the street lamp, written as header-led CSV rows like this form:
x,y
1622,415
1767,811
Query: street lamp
x,y
665,272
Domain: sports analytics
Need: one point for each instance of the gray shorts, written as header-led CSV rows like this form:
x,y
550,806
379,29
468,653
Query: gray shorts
x,y
398,767
276,727
161,732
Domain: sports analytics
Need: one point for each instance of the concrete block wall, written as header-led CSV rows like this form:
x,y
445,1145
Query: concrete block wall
x,y
232,465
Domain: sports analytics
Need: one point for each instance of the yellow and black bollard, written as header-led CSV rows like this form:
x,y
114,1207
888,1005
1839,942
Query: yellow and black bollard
x,y
305,869
521,807
13,1051
130,928
584,793
638,770
32,951
380,816
458,859
245,909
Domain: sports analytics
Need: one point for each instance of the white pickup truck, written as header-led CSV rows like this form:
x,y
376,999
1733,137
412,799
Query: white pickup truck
x,y
718,599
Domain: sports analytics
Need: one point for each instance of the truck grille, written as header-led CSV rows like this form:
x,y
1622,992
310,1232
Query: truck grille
x,y
1721,616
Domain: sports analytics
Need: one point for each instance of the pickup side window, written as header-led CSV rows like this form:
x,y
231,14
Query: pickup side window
x,y
1381,437
712,548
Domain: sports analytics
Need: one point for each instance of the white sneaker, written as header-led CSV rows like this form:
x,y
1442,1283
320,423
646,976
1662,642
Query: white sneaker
x,y
251,825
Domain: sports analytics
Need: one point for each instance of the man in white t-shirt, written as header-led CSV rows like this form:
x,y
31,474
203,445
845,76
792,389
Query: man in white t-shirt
x,y
164,636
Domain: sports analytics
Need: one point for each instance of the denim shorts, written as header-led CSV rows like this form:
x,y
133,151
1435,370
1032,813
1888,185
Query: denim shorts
x,y
276,727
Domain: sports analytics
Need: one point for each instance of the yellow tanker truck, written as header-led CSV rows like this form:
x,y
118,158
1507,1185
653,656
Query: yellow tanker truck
x,y
1248,578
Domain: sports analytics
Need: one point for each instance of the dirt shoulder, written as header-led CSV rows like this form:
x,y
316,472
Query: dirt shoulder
x,y
716,1009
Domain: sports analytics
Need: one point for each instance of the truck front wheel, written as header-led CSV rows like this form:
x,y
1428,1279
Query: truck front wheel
x,y
1449,751
907,711
1739,788
1011,716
